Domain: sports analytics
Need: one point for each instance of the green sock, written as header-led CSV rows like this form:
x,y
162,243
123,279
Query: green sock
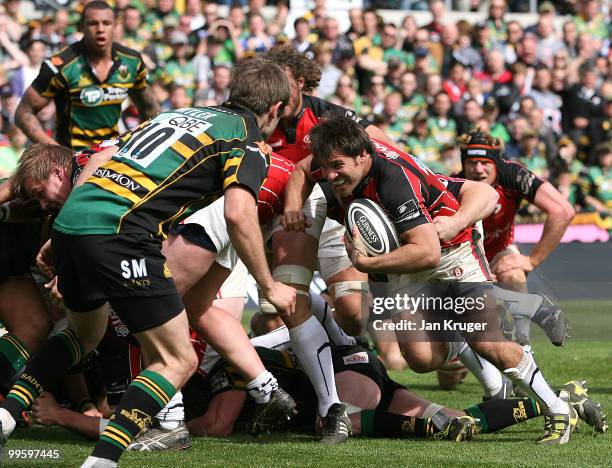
x,y
14,354
376,423
494,415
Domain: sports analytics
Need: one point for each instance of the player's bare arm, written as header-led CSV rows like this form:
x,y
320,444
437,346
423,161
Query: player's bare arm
x,y
420,250
477,201
298,189
25,116
220,416
378,134
243,228
559,214
145,102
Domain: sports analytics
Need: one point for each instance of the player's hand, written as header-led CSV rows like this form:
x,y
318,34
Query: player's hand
x,y
513,262
356,249
44,260
282,297
45,410
55,297
294,221
447,226
92,411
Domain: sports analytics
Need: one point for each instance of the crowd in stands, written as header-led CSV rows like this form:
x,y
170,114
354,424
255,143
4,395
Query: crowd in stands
x,y
544,89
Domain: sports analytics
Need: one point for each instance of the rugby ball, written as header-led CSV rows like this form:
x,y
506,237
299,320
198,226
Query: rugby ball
x,y
375,227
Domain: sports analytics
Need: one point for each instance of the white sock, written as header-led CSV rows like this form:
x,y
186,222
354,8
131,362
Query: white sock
x,y
8,423
276,339
98,463
311,346
262,386
173,414
321,310
528,377
518,303
487,374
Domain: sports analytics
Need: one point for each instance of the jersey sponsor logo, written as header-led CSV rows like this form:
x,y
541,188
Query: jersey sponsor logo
x,y
407,211
118,178
94,95
356,358
134,268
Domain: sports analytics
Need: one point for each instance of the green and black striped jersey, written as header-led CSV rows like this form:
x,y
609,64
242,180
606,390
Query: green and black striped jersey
x,y
88,110
168,167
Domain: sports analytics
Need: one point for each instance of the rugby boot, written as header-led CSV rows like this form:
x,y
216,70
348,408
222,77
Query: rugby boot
x,y
268,415
337,425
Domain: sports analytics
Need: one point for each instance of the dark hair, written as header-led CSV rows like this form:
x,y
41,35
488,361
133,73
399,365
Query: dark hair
x,y
603,149
341,135
258,84
299,20
95,5
300,65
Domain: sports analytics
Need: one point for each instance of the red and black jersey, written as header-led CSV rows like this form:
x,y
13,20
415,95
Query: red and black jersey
x,y
513,184
290,139
272,194
409,192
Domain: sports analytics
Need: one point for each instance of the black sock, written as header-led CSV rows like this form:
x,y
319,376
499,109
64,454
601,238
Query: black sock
x,y
376,423
14,354
145,397
58,354
498,414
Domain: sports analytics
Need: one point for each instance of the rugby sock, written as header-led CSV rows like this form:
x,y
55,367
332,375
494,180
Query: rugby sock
x,y
519,303
47,367
309,342
262,386
528,377
375,423
320,309
14,355
145,397
494,415
487,374
173,414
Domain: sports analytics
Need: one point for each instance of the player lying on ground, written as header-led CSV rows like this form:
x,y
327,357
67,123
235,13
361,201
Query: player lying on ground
x,y
414,197
216,402
106,246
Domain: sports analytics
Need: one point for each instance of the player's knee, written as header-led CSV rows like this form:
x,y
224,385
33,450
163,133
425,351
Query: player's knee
x,y
262,324
512,276
188,362
417,363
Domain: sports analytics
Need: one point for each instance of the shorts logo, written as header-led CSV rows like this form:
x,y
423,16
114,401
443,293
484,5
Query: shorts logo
x,y
458,272
357,358
91,96
137,268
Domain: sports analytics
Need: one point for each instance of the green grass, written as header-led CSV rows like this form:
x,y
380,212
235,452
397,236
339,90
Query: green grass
x,y
585,357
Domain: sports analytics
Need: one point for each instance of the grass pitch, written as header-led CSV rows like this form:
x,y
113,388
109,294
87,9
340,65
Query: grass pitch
x,y
586,356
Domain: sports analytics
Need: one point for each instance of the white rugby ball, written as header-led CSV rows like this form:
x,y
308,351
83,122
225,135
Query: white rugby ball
x,y
375,227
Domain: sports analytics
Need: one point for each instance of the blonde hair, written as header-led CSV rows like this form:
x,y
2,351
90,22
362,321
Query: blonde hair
x,y
36,164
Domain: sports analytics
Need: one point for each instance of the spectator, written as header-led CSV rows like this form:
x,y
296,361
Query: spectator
x,y
356,28
582,106
442,127
134,35
450,157
301,41
570,37
598,182
330,74
412,101
422,144
495,71
22,78
346,95
497,129
448,40
590,19
408,32
435,27
548,42
339,42
193,11
257,41
518,127
180,68
472,111
11,57
532,154
396,126
496,24
546,100
455,86
515,34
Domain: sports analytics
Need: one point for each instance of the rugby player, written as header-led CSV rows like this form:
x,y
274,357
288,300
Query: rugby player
x,y
481,157
88,81
414,197
106,244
